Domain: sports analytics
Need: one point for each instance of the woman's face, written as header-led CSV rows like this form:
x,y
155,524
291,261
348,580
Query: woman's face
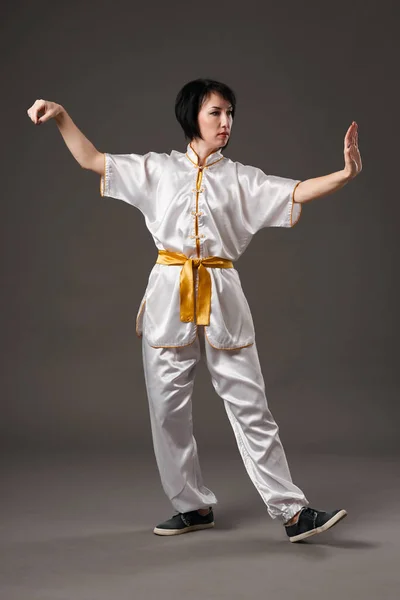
x,y
215,120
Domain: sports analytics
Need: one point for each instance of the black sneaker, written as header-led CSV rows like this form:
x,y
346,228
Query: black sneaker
x,y
185,522
313,521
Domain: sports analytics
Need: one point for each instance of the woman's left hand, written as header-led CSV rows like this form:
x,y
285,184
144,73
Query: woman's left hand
x,y
352,157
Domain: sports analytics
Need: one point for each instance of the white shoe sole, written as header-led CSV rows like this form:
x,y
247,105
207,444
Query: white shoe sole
x,y
338,517
159,531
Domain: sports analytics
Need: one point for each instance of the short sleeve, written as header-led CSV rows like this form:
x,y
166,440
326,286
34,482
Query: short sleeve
x,y
133,178
267,200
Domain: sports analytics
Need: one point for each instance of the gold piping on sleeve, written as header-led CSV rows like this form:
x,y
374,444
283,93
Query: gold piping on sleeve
x,y
103,177
292,205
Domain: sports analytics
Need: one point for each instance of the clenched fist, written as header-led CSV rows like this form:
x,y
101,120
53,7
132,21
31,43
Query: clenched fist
x,y
49,110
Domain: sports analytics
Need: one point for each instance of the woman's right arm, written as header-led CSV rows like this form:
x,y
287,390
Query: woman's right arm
x,y
80,147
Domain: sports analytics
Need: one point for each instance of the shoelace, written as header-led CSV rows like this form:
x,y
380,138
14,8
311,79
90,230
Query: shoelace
x,y
185,520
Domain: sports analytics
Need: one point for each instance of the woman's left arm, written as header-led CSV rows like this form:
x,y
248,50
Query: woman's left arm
x,y
310,189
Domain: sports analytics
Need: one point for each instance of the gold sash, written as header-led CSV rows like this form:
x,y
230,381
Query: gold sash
x,y
187,285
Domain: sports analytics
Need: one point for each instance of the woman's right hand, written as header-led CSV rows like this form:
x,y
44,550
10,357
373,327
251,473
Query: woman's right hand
x,y
48,108
80,147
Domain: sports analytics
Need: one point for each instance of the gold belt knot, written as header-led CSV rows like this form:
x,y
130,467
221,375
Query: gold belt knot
x,y
187,283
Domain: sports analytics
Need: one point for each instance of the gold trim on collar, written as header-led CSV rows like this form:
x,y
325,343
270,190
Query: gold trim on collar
x,y
205,166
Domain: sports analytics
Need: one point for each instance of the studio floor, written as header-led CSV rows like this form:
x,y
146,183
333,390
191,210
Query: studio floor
x,y
80,528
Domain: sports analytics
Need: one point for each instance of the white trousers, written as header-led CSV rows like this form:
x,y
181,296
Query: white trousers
x,y
237,378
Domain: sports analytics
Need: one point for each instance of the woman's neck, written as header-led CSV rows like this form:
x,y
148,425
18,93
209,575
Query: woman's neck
x,y
202,150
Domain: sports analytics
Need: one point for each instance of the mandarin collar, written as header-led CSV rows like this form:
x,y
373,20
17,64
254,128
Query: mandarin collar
x,y
211,158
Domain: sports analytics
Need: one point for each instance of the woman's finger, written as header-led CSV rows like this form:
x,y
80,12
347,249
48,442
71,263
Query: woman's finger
x,y
354,133
349,135
346,137
37,106
40,107
48,115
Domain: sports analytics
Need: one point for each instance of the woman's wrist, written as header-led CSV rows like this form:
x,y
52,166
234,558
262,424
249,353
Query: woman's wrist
x,y
60,116
347,176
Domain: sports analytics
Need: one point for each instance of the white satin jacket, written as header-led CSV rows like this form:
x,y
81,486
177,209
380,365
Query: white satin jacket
x,y
212,210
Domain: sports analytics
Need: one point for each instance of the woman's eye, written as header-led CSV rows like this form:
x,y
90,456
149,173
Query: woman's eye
x,y
216,112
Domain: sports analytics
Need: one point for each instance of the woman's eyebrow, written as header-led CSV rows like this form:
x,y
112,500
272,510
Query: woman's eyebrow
x,y
220,107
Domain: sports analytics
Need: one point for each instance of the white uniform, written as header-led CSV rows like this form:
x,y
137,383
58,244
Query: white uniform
x,y
194,213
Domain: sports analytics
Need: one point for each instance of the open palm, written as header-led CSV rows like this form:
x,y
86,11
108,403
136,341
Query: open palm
x,y
352,157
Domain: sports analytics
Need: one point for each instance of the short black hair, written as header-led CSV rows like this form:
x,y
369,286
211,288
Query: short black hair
x,y
190,99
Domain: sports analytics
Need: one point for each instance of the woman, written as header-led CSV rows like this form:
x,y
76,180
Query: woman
x,y
202,210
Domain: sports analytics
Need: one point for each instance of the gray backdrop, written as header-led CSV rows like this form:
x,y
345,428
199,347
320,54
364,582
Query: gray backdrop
x,y
74,265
